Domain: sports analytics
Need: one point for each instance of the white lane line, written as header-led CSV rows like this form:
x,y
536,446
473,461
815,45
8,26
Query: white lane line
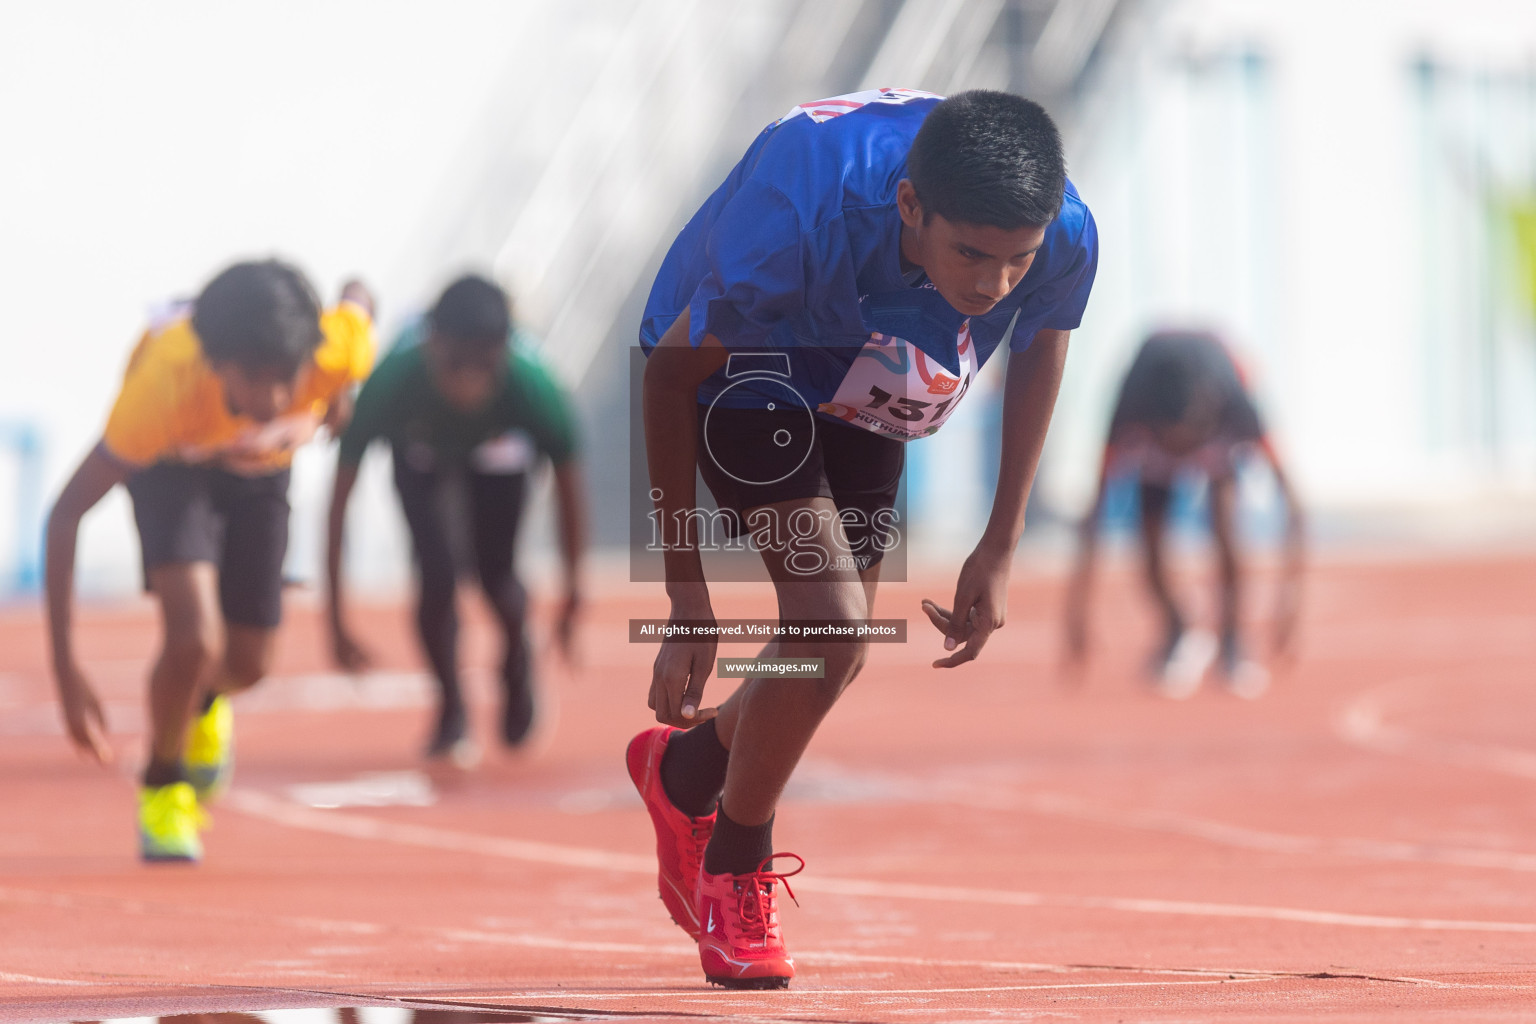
x,y
666,950
811,993
270,808
573,945
957,894
1363,723
309,692
32,979
829,956
825,956
837,957
805,991
95,901
653,949
1222,833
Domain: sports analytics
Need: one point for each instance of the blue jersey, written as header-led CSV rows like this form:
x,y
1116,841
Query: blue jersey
x,y
797,254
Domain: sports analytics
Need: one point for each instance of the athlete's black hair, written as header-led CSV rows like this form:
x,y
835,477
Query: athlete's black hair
x,y
261,316
990,158
472,310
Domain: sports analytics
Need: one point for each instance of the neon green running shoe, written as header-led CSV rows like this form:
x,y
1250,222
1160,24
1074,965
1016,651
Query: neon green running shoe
x,y
169,819
210,756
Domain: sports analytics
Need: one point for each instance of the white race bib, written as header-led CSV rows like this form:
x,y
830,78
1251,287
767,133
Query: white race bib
x,y
512,452
892,388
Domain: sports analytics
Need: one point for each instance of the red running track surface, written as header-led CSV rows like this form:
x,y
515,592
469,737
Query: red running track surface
x,y
985,844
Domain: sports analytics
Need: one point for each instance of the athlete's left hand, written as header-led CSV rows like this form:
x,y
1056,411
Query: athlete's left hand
x,y
981,606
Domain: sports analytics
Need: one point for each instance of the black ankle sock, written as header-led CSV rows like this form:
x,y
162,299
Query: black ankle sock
x,y
693,769
517,711
163,773
737,849
452,726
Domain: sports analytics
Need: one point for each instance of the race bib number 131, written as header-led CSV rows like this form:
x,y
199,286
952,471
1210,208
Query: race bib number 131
x,y
892,388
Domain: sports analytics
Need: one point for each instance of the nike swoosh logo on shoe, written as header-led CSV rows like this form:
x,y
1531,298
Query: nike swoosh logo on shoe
x,y
687,901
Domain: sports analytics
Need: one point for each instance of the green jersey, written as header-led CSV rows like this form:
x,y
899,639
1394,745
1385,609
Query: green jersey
x,y
400,404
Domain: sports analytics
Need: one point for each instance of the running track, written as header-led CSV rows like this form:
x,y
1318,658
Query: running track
x,y
983,845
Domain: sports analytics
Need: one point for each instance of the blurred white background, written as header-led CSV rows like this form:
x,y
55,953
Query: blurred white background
x,y
1339,187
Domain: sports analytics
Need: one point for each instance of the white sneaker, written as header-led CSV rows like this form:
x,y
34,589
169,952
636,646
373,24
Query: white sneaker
x,y
465,754
1248,680
1186,665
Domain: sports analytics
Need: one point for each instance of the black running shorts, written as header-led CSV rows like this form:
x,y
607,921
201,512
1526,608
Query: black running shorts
x,y
239,523
755,457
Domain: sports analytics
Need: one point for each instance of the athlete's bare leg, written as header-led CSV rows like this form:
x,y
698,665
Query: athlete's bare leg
x,y
188,593
768,723
1154,522
248,653
1223,502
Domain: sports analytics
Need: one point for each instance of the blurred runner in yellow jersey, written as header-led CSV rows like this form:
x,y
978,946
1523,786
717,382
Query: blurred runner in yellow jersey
x,y
216,398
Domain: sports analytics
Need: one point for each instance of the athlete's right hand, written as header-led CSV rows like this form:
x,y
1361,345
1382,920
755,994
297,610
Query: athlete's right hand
x,y
83,717
358,292
682,668
349,654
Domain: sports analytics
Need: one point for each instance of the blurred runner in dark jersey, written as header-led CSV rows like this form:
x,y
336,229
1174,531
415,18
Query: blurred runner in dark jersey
x,y
1185,411
470,413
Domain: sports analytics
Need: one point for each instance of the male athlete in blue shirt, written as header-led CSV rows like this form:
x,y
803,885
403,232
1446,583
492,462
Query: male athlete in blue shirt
x,y
833,299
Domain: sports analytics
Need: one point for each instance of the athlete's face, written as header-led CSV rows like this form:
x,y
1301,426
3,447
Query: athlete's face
x,y
262,395
974,266
467,375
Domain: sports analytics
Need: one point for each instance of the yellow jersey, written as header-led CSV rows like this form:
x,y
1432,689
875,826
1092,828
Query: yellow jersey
x,y
172,405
